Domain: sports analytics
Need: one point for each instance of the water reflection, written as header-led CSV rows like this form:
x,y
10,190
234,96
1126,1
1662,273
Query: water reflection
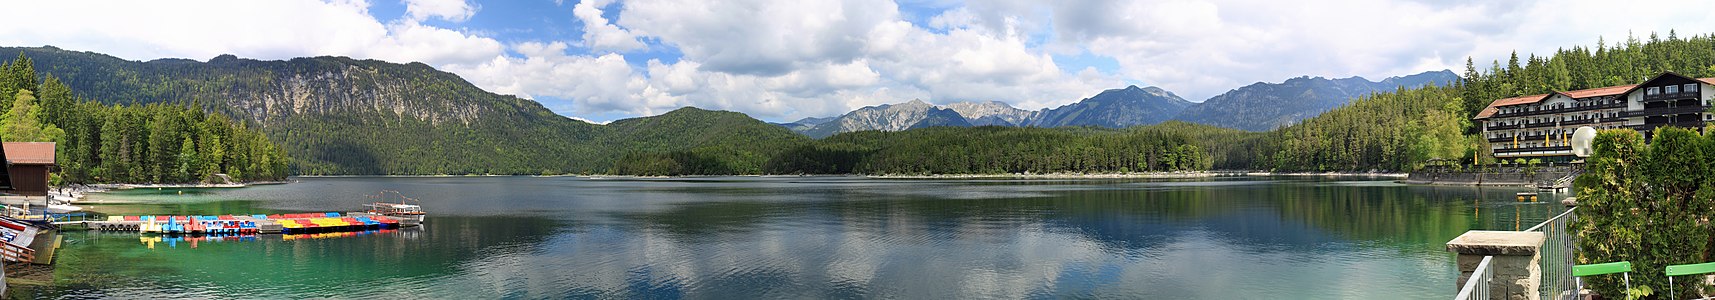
x,y
107,264
830,238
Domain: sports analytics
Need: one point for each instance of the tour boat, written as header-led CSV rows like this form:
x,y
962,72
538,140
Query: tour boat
x,y
410,212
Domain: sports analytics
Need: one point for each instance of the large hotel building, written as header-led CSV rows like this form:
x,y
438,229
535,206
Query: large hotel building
x,y
1540,126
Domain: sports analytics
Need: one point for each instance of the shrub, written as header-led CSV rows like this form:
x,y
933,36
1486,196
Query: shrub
x,y
1645,204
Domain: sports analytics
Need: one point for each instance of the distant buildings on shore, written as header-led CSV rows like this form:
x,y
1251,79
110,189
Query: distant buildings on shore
x,y
1540,126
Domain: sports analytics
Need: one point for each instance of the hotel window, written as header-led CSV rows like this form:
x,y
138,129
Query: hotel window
x,y
1673,89
1652,91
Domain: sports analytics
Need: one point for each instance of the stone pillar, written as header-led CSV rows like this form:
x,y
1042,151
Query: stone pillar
x,y
1516,253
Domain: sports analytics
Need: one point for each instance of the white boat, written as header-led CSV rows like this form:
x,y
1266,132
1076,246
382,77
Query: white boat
x,y
62,208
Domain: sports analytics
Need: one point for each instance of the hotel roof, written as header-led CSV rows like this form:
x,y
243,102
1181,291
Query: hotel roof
x,y
1597,92
1493,106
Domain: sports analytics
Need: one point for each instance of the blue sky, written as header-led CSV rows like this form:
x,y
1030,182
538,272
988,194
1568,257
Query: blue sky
x,y
780,60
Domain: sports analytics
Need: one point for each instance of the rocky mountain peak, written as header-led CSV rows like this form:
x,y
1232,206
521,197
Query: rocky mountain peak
x,y
994,113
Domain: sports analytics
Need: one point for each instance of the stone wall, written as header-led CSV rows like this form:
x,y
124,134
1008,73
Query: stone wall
x,y
1491,176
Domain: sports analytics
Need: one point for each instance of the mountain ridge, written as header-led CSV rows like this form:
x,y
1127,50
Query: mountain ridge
x,y
1259,106
1265,106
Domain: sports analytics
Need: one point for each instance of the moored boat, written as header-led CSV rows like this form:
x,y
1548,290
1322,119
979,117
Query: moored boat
x,y
411,213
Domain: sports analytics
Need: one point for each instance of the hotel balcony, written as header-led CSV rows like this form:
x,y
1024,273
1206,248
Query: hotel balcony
x,y
1616,104
1664,111
1673,96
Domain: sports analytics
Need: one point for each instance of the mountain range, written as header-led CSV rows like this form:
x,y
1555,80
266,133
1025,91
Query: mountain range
x,y
1256,107
1266,106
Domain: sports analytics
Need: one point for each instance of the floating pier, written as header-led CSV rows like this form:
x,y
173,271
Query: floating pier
x,y
251,224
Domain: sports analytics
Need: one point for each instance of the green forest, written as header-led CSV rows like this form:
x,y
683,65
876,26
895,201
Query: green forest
x,y
1173,146
153,143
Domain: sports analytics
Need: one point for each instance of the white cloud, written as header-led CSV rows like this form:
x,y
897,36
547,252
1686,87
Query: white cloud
x,y
1199,48
253,29
781,60
760,37
786,59
450,10
600,83
599,34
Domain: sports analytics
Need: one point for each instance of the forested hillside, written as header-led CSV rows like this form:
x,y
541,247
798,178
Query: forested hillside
x,y
1267,106
337,115
155,143
1173,146
695,141
1394,132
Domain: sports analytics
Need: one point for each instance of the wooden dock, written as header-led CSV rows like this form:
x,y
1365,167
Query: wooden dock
x,y
264,224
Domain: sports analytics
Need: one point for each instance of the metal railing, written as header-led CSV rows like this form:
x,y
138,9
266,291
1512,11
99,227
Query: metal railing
x,y
1477,287
1559,252
68,217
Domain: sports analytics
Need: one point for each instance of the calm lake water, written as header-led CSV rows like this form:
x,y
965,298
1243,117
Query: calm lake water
x,y
812,237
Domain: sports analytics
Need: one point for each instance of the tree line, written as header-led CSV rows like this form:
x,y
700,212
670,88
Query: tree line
x,y
958,150
138,143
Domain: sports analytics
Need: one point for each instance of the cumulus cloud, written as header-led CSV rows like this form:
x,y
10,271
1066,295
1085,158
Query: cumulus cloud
x,y
787,59
1199,48
760,37
602,83
450,10
254,29
599,34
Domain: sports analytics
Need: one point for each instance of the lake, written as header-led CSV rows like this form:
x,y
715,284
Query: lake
x,y
812,237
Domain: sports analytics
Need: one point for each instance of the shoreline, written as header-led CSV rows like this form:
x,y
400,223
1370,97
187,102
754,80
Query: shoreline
x,y
107,187
127,186
1149,175
1144,175
421,176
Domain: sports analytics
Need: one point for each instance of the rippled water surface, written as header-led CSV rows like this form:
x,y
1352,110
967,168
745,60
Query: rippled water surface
x,y
811,237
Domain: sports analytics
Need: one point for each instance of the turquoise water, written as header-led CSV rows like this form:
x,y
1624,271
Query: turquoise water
x,y
811,237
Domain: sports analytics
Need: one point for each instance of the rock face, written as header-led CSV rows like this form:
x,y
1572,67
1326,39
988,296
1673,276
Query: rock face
x,y
805,124
889,117
1266,106
1116,108
1256,107
992,113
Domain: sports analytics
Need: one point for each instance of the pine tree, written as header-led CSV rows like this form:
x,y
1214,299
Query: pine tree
x,y
188,161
